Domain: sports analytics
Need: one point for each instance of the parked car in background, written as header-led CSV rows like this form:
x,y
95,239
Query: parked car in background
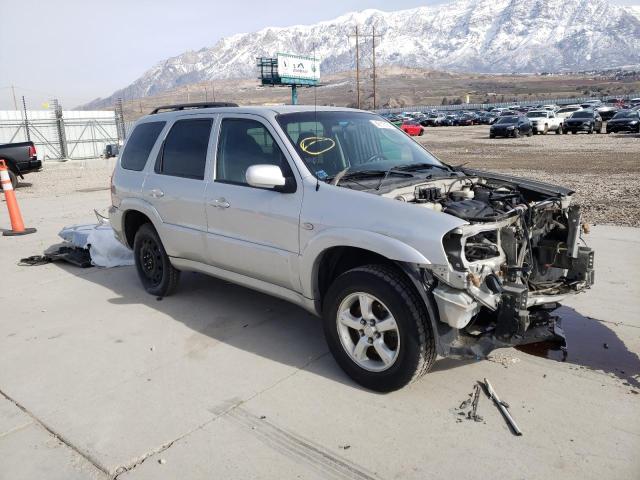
x,y
509,113
21,158
544,121
607,111
433,120
412,128
624,121
513,126
583,121
566,112
450,120
487,118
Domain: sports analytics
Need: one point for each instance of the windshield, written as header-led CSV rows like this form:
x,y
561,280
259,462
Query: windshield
x,y
628,114
508,120
536,114
329,142
568,110
582,115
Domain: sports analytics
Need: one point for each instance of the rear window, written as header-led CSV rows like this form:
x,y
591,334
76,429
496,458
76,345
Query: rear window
x,y
185,149
139,145
580,114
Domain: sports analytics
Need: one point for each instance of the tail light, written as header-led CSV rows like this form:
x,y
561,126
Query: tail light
x,y
32,151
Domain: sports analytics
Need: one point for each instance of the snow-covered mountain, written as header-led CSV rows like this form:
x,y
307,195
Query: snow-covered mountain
x,y
497,36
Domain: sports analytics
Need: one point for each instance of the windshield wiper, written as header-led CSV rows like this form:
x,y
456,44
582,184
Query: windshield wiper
x,y
420,166
346,174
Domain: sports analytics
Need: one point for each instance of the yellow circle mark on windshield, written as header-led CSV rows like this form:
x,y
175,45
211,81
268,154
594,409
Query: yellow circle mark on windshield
x,y
316,145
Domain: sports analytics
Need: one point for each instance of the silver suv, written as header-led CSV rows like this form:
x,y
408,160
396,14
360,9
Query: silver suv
x,y
338,211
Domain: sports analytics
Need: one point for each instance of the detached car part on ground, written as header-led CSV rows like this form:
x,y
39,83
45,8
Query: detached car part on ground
x,y
338,211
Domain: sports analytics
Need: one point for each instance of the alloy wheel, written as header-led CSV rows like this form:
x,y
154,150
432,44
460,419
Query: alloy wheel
x,y
368,332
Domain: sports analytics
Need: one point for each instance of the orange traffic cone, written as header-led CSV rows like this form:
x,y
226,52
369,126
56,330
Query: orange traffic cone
x,y
17,225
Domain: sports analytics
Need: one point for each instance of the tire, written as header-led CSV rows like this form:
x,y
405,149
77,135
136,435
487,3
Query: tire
x,y
421,133
389,294
491,135
559,130
590,131
546,129
158,276
516,133
573,132
530,134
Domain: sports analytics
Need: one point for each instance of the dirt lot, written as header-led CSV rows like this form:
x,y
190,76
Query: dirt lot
x,y
603,169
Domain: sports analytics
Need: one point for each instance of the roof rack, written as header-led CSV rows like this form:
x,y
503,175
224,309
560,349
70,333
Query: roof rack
x,y
190,106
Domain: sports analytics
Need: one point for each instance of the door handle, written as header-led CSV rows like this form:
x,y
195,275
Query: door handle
x,y
156,193
220,203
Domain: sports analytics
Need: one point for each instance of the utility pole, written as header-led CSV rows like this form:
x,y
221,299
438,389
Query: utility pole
x,y
357,35
26,120
373,36
13,91
213,91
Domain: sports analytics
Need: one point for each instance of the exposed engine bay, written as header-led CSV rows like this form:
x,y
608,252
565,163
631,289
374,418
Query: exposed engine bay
x,y
518,256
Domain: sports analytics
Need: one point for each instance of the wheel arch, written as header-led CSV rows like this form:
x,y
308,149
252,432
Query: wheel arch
x,y
334,252
135,214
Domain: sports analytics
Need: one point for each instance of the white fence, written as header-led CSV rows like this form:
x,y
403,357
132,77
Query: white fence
x,y
69,135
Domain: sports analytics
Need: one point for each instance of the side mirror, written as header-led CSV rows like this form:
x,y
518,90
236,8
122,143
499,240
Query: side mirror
x,y
265,176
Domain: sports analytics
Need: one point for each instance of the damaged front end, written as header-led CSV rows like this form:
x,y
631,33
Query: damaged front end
x,y
518,256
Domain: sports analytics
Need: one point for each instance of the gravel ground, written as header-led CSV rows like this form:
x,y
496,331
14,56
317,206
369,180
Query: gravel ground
x,y
602,169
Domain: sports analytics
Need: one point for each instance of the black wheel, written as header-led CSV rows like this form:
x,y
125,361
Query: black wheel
x,y
530,134
154,268
559,130
421,133
546,129
573,132
377,328
491,135
516,133
590,131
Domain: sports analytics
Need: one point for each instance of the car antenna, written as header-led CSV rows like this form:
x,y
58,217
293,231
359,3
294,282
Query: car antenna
x,y
315,113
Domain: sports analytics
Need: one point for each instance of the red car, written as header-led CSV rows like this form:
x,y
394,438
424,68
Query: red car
x,y
412,128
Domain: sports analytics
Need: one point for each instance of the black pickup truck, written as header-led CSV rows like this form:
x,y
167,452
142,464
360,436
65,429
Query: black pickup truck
x,y
21,158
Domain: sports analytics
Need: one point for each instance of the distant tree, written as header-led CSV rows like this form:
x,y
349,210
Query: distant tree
x,y
457,101
444,101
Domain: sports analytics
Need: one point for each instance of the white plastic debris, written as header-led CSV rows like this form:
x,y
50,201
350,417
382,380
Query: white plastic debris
x,y
103,247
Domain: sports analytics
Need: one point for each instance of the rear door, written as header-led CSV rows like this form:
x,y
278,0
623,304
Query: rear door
x,y
176,186
253,231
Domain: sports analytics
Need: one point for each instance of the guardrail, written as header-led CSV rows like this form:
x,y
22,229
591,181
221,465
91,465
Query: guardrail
x,y
484,106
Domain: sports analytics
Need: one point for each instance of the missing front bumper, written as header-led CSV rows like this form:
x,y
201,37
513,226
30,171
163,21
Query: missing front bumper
x,y
547,328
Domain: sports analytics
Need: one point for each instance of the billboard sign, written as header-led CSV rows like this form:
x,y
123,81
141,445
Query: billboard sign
x,y
296,67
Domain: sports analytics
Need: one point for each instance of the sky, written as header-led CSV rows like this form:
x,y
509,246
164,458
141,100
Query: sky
x,y
77,50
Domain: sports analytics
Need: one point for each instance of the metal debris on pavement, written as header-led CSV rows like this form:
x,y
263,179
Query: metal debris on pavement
x,y
502,406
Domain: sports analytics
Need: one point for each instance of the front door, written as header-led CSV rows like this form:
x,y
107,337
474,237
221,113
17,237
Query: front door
x,y
252,231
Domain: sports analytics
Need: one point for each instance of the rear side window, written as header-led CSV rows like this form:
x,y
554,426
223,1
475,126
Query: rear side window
x,y
184,153
139,145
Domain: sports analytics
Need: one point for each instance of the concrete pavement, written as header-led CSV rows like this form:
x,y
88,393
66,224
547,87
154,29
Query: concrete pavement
x,y
99,379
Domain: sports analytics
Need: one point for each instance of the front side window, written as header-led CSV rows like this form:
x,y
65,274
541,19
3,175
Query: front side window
x,y
185,149
243,143
329,142
139,145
